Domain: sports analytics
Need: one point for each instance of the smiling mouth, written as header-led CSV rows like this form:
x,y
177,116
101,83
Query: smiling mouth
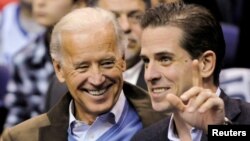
x,y
97,92
159,90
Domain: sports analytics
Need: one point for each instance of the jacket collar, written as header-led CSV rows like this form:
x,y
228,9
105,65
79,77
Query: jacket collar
x,y
59,119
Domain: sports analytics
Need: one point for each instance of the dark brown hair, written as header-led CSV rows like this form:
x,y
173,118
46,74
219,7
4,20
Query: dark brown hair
x,y
201,30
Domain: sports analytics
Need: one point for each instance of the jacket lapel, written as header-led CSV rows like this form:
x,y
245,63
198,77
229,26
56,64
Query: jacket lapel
x,y
59,119
232,109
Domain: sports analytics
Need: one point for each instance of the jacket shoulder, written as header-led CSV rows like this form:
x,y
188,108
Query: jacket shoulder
x,y
27,130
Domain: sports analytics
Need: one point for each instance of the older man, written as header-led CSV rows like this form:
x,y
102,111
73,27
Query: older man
x,y
128,13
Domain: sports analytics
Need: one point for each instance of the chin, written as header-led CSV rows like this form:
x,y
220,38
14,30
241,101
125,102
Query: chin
x,y
160,107
157,107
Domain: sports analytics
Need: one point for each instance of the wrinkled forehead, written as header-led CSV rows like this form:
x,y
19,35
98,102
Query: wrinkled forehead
x,y
99,37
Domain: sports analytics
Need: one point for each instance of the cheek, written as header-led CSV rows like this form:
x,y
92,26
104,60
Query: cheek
x,y
183,80
171,73
74,77
116,74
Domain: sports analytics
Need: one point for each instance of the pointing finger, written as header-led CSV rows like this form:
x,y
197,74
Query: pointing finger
x,y
197,80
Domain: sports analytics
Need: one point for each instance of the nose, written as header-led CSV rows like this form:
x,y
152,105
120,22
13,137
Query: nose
x,y
152,73
96,77
124,23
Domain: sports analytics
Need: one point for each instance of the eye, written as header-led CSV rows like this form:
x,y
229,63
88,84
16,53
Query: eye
x,y
165,60
82,68
108,63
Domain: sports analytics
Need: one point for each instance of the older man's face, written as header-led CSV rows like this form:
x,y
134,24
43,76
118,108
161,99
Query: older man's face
x,y
92,68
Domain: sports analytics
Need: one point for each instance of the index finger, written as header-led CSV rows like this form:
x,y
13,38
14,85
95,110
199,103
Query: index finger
x,y
196,78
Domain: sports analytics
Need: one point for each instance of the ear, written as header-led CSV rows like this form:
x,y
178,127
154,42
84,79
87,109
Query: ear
x,y
207,63
58,70
123,65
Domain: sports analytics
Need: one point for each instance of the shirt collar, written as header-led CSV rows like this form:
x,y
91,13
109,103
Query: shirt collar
x,y
131,75
218,91
195,133
116,110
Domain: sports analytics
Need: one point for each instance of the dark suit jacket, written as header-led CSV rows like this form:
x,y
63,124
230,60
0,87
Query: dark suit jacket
x,y
237,111
56,90
52,126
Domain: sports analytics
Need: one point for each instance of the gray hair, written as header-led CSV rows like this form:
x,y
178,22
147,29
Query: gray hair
x,y
79,20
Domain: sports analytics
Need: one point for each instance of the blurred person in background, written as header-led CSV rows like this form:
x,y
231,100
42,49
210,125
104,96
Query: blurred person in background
x,y
5,2
128,13
18,31
33,68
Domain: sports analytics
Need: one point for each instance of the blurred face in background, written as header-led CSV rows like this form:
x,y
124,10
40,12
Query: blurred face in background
x,y
27,4
26,1
128,13
49,12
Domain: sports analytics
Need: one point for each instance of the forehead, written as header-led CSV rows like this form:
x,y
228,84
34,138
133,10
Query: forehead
x,y
164,38
90,39
122,5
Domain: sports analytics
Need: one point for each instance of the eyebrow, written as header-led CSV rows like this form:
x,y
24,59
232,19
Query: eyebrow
x,y
159,54
164,53
129,13
102,59
134,12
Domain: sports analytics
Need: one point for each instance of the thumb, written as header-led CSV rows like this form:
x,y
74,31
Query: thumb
x,y
176,102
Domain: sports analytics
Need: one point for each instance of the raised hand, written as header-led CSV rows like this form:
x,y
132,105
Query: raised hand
x,y
198,106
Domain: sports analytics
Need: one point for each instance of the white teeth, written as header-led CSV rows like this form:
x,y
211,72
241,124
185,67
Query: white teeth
x,y
97,92
159,90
